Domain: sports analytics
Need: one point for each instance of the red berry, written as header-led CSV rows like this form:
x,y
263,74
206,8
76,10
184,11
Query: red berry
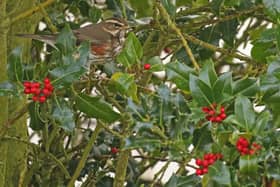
x,y
47,81
198,162
205,163
218,119
35,84
46,92
167,50
27,84
254,144
219,156
42,99
205,170
223,116
211,112
147,66
251,152
243,141
49,87
245,150
208,117
239,147
114,150
257,146
199,172
212,119
35,98
209,156
222,109
27,91
37,92
33,90
206,156
214,156
211,161
205,109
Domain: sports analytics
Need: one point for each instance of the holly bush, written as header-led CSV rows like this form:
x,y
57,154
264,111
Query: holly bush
x,y
180,91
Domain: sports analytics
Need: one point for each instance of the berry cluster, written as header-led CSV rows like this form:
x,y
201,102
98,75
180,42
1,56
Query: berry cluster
x,y
208,159
214,114
39,94
114,150
244,147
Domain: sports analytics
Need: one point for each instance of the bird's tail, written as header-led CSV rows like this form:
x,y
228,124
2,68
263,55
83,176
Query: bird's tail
x,y
49,39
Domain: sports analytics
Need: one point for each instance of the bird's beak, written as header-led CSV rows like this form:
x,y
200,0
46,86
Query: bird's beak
x,y
126,27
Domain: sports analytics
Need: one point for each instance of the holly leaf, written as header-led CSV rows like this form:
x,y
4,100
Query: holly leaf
x,y
125,84
156,64
202,139
247,87
244,112
96,107
208,73
273,6
219,173
149,144
132,51
66,40
200,91
248,164
183,181
67,74
94,14
64,115
15,69
143,8
169,6
72,68
262,122
222,89
179,74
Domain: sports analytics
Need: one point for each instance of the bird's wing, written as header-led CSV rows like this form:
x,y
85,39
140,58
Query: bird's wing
x,y
93,33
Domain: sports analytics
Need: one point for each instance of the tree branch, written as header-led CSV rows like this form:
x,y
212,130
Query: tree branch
x,y
121,168
83,160
173,26
31,11
228,17
17,116
217,49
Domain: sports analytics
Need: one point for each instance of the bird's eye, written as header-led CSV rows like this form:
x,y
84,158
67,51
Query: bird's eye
x,y
117,25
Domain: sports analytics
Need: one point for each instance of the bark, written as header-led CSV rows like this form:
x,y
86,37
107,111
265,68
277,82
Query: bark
x,y
13,157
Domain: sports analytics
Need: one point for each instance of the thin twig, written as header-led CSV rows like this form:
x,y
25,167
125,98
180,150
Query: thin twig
x,y
228,17
48,19
84,157
10,121
31,11
217,49
179,33
110,130
121,168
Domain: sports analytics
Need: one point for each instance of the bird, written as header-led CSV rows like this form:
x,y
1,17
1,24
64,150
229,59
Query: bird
x,y
106,37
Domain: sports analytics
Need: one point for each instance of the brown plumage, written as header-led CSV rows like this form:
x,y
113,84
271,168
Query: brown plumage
x,y
106,37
